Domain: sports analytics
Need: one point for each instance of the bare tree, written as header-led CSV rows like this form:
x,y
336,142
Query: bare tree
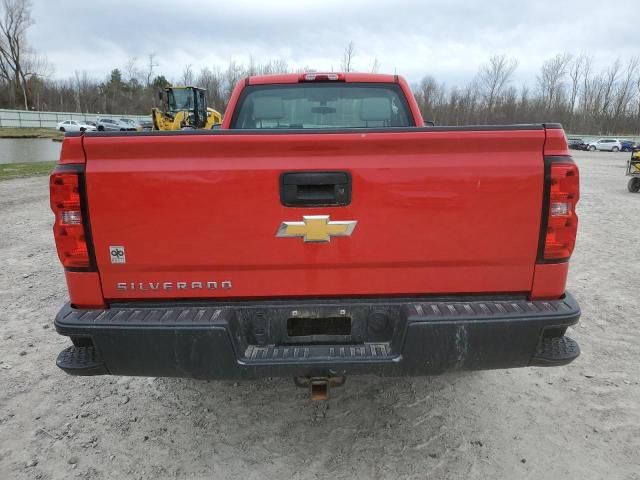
x,y
576,71
278,66
131,70
426,94
212,81
624,93
523,103
86,92
347,57
609,80
493,77
231,77
187,75
508,106
251,68
638,104
375,66
15,19
77,93
584,93
434,100
550,80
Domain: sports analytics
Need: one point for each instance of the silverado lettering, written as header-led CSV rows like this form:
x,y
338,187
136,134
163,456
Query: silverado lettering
x,y
459,259
146,286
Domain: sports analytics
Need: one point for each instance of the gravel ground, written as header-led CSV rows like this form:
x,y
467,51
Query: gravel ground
x,y
576,422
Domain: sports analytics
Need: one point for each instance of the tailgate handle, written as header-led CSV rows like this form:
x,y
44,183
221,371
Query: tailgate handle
x,y
315,189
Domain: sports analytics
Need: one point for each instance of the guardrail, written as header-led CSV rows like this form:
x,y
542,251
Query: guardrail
x,y
37,119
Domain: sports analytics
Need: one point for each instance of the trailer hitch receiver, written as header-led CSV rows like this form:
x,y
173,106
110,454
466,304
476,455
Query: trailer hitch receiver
x,y
319,386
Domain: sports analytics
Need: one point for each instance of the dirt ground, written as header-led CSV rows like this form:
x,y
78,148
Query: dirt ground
x,y
576,422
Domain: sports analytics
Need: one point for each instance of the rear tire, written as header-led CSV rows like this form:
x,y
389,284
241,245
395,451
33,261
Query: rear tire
x,y
62,129
592,148
615,149
634,185
101,128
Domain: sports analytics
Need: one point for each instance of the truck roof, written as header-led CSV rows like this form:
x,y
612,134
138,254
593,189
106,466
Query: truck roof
x,y
347,77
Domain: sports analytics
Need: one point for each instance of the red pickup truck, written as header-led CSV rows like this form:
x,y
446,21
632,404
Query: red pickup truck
x,y
323,230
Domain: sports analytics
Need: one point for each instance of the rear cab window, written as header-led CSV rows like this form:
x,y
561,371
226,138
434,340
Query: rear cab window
x,y
322,105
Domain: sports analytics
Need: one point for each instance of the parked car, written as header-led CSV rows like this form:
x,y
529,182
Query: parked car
x,y
605,144
576,143
110,124
146,125
74,126
627,145
132,123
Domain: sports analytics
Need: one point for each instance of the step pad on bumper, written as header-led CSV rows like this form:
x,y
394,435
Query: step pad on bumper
x,y
490,309
555,351
81,361
371,351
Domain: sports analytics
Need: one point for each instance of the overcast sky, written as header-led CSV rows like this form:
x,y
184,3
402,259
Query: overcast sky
x,y
447,39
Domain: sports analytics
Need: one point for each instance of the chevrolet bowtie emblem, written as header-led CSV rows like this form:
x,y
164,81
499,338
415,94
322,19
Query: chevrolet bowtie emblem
x,y
317,228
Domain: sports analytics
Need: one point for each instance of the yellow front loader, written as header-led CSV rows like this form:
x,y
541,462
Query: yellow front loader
x,y
633,170
184,107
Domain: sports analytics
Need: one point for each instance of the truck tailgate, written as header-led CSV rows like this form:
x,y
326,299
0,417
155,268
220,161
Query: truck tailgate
x,y
197,215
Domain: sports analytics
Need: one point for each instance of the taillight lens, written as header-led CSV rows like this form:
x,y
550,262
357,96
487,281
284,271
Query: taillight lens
x,y
68,228
562,221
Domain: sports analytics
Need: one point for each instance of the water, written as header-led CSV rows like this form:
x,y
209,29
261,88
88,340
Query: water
x,y
20,150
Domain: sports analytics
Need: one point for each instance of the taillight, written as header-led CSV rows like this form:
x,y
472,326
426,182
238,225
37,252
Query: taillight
x,y
562,192
69,226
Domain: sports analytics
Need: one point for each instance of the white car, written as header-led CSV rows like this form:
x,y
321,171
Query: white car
x,y
75,126
606,144
132,123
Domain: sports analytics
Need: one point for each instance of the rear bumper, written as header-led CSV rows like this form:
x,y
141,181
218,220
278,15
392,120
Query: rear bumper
x,y
385,337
